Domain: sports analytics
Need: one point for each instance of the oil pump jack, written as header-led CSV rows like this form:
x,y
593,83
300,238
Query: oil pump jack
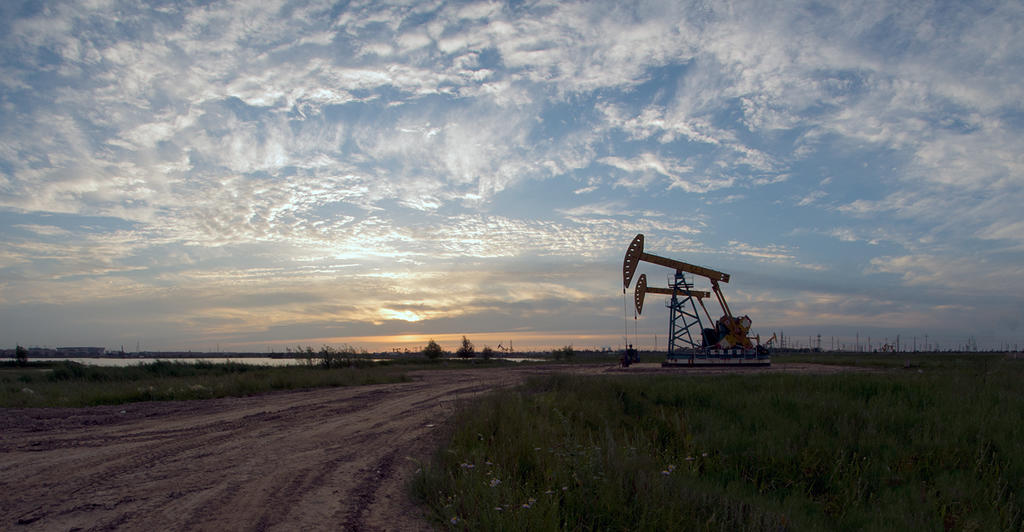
x,y
722,341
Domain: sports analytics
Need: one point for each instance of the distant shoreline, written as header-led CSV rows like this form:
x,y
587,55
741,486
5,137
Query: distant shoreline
x,y
172,354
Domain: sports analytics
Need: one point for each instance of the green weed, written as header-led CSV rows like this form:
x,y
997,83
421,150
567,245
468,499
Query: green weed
x,y
937,449
73,384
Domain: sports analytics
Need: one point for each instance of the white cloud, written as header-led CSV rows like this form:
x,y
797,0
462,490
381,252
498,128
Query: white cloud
x,y
811,198
967,275
844,234
1004,229
44,230
608,208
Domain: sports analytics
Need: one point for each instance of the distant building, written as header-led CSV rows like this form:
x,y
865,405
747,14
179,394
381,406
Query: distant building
x,y
81,351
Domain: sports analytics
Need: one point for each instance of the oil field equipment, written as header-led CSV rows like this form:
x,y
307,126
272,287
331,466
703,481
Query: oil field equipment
x,y
692,340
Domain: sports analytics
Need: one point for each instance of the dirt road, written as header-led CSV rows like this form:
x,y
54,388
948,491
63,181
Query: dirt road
x,y
325,459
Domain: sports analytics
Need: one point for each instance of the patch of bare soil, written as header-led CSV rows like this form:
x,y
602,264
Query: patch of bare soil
x,y
324,459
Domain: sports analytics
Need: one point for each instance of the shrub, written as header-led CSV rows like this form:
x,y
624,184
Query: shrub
x,y
563,353
331,357
305,352
467,350
487,352
21,355
433,350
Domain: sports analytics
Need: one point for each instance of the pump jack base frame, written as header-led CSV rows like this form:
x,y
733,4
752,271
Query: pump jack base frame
x,y
705,357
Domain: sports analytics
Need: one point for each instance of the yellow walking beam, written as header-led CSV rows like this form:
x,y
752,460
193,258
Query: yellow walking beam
x,y
635,254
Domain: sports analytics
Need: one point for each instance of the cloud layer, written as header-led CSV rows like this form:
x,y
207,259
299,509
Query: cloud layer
x,y
283,171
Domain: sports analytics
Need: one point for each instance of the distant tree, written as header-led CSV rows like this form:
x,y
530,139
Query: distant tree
x,y
487,352
432,350
563,353
20,355
467,350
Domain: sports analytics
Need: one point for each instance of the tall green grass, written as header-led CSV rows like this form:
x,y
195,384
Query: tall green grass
x,y
74,384
951,360
901,450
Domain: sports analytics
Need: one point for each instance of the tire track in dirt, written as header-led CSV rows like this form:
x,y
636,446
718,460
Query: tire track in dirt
x,y
313,460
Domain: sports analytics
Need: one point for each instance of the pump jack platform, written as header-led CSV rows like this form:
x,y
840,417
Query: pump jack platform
x,y
721,342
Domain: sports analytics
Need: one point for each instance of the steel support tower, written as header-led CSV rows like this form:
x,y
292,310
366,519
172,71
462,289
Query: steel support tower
x,y
682,316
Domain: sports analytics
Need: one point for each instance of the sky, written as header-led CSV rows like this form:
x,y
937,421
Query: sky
x,y
262,175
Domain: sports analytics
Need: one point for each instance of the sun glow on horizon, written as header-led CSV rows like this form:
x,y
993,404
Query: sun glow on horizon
x,y
518,341
404,315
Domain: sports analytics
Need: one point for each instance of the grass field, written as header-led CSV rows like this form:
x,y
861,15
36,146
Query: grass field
x,y
72,384
936,445
952,360
62,383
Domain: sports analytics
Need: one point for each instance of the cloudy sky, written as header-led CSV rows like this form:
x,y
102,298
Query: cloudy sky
x,y
255,175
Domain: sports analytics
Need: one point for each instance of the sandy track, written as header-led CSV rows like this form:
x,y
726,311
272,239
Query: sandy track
x,y
323,459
